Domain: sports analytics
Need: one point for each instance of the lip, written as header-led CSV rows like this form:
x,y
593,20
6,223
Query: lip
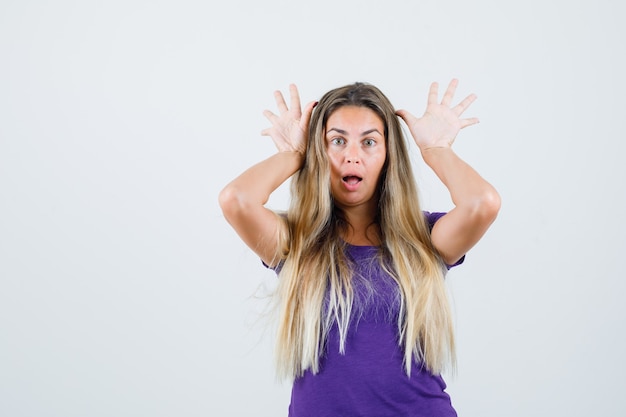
x,y
351,181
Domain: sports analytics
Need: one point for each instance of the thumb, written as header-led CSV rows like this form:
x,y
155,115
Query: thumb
x,y
306,114
405,115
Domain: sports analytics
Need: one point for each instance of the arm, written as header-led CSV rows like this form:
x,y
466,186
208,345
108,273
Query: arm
x,y
476,202
476,205
243,199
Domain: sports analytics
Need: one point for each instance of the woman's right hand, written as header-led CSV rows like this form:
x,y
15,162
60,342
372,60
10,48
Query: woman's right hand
x,y
290,127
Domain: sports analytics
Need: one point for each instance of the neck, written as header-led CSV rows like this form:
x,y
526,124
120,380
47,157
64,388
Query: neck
x,y
362,229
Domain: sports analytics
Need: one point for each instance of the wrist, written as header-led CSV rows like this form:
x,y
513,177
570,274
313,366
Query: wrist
x,y
294,156
437,155
435,151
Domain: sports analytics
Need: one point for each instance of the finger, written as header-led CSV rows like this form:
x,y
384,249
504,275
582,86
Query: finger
x,y
463,105
295,99
280,102
270,116
449,94
433,93
405,115
468,122
306,115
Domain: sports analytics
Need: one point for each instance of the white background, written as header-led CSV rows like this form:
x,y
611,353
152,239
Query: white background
x,y
123,292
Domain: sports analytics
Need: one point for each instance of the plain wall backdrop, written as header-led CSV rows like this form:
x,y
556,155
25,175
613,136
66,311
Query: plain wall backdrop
x,y
123,291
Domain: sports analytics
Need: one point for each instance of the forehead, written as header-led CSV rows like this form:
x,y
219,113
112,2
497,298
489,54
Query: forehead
x,y
354,118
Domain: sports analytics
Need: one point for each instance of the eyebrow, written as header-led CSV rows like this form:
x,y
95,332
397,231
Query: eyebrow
x,y
343,132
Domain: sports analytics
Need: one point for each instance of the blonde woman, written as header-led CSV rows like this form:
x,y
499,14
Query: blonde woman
x,y
364,327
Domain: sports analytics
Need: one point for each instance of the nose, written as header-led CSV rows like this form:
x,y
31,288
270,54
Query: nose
x,y
352,154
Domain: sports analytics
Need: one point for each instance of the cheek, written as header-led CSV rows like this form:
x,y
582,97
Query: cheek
x,y
380,161
334,162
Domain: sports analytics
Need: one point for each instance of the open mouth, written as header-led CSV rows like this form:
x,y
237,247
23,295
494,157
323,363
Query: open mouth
x,y
352,179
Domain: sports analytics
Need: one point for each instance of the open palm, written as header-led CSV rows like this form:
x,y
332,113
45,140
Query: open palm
x,y
290,127
440,124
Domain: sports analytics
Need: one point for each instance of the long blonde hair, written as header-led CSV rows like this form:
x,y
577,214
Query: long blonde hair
x,y
315,281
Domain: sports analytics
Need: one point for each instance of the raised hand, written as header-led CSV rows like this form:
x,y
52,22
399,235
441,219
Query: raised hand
x,y
441,123
290,127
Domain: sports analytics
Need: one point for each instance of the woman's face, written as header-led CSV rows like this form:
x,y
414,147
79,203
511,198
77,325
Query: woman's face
x,y
356,148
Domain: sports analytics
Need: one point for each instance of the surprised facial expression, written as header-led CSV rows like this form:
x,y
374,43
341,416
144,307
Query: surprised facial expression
x,y
356,148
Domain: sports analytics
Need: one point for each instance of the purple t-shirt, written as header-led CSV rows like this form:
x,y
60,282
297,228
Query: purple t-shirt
x,y
369,378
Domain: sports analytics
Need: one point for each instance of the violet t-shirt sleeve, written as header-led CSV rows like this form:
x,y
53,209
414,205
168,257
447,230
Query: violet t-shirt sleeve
x,y
275,268
432,218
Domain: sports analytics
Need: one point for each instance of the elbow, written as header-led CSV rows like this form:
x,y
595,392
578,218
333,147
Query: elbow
x,y
488,205
237,201
231,201
483,208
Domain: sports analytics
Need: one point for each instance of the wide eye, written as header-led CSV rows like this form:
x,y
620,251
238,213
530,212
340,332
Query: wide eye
x,y
369,142
338,141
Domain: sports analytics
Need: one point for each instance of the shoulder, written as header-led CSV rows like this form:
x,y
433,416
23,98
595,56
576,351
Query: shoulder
x,y
432,217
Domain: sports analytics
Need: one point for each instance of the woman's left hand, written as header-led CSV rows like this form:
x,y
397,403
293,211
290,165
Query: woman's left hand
x,y
440,124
